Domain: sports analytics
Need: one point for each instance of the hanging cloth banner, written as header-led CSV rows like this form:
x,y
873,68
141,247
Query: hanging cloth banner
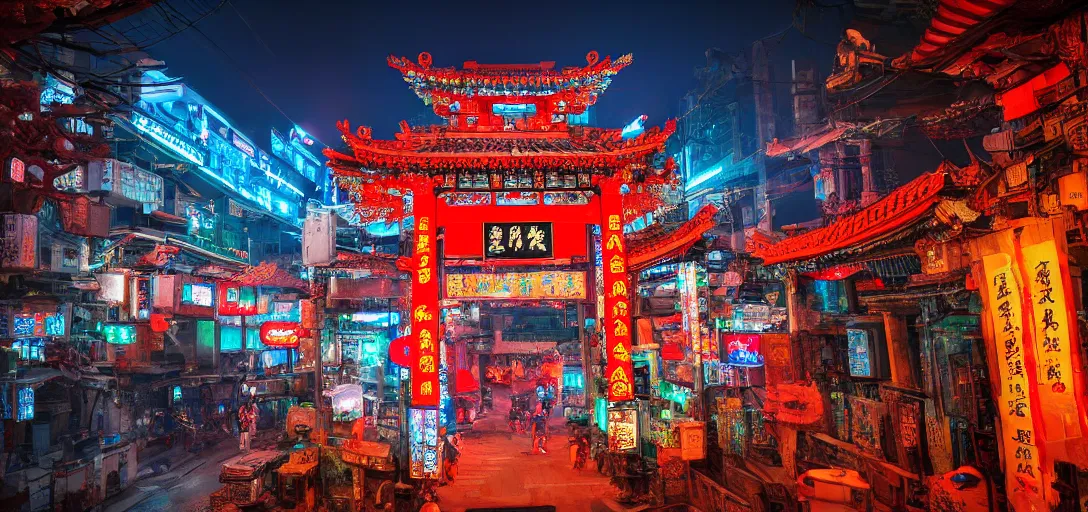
x,y
1023,458
425,315
1043,268
617,325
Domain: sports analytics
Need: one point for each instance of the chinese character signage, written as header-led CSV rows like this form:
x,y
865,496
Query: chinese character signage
x,y
622,430
20,244
517,285
617,309
16,170
1050,330
282,334
1023,466
692,440
425,362
518,240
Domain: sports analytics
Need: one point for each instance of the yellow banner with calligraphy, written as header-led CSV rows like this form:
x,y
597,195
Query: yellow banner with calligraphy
x,y
1023,464
517,285
1041,265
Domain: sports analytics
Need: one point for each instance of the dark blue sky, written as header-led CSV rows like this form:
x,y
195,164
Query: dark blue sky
x,y
325,60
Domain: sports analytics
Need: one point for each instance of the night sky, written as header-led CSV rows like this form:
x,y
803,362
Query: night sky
x,y
321,61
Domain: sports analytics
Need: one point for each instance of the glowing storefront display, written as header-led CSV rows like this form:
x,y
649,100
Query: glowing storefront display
x,y
119,334
517,285
622,430
1023,460
617,324
857,341
423,443
198,294
425,392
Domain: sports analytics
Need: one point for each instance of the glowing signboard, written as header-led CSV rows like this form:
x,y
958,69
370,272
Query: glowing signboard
x,y
743,349
118,334
166,137
622,430
423,443
242,144
617,321
198,294
425,314
1023,474
517,285
857,341
282,334
1050,331
518,240
16,170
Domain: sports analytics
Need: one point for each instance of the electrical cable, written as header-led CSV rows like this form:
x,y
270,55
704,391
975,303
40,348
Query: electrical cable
x,y
245,74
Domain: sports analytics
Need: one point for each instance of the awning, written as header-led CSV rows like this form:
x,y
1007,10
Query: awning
x,y
465,382
953,19
903,206
653,250
805,144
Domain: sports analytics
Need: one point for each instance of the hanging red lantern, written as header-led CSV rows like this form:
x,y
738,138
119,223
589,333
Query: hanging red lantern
x,y
400,351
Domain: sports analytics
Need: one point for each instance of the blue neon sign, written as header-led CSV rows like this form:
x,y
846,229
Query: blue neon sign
x,y
166,137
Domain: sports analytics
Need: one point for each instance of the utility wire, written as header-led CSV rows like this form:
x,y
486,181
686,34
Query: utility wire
x,y
245,74
250,27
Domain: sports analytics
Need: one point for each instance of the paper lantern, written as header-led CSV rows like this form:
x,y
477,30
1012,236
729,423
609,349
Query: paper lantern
x,y
282,334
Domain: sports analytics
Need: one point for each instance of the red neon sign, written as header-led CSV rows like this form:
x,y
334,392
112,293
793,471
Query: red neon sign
x,y
282,334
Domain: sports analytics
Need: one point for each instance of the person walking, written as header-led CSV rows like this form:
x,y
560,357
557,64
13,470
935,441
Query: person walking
x,y
247,425
539,429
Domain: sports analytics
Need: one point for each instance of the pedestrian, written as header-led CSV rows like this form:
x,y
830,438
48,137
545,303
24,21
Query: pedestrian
x,y
247,425
539,429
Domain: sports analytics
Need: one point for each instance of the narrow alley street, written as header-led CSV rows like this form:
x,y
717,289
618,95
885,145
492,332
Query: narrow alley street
x,y
497,469
184,487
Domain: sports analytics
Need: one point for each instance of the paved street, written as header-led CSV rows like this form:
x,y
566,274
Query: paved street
x,y
184,488
497,470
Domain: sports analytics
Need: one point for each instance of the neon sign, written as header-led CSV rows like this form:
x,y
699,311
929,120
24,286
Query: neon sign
x,y
282,334
117,334
16,170
517,285
617,320
425,314
241,144
166,137
744,349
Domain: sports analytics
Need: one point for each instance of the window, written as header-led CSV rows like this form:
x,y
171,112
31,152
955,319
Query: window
x,y
26,404
30,349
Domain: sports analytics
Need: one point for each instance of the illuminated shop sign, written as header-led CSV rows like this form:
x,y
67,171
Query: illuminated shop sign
x,y
198,294
859,352
282,334
622,430
517,285
26,404
423,443
242,144
166,137
518,240
16,170
743,349
425,313
20,242
237,300
617,321
118,334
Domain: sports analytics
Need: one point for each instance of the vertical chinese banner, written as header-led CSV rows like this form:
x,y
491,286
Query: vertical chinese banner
x,y
1041,265
1023,462
617,324
425,363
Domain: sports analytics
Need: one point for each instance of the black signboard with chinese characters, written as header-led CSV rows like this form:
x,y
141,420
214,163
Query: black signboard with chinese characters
x,y
517,240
